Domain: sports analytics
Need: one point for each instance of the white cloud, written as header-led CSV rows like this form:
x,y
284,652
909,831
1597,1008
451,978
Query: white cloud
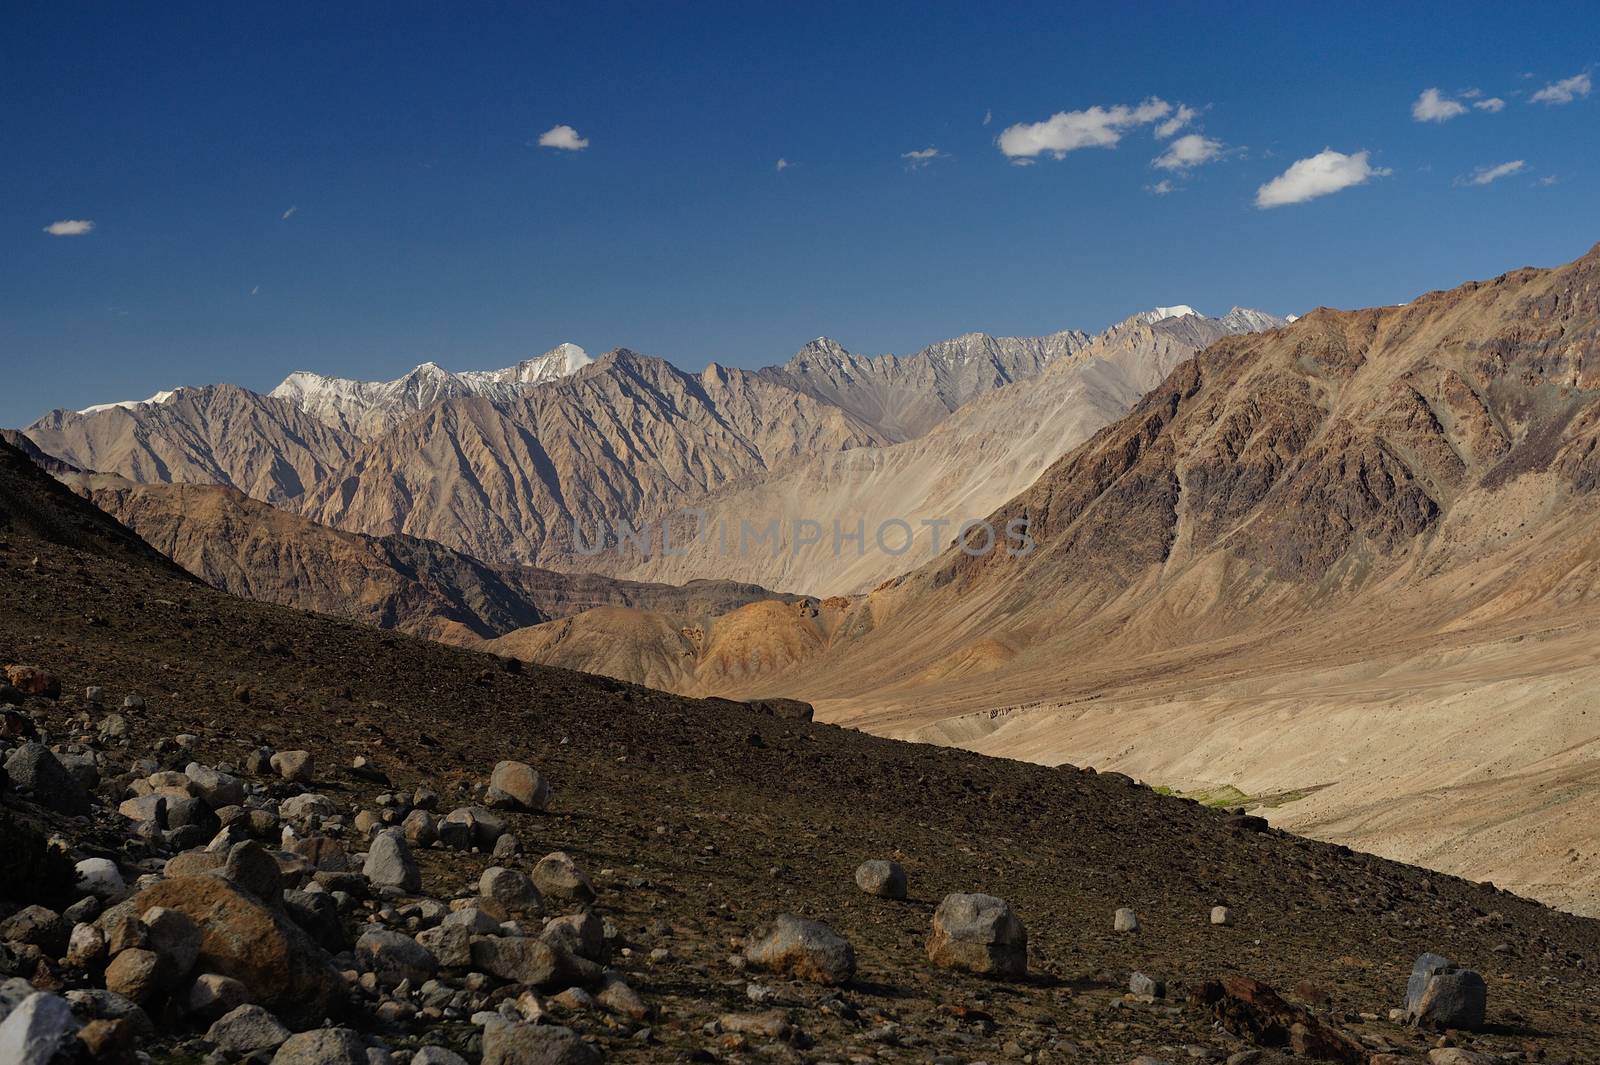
x,y
1161,188
256,291
1434,106
1493,105
1548,180
69,227
1180,118
1485,174
919,159
1564,91
1067,131
1325,173
988,117
1189,150
564,137
289,213
783,164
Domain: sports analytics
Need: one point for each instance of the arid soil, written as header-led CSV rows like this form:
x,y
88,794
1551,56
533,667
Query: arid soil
x,y
700,820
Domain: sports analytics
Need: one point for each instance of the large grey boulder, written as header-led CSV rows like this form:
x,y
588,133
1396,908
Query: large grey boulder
x,y
517,786
557,876
808,950
37,773
882,878
36,1029
389,862
322,1046
535,1044
980,934
1441,994
395,956
247,1029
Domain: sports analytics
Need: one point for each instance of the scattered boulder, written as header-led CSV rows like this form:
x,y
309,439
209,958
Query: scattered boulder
x,y
37,773
558,876
101,878
36,1030
534,1044
297,766
517,786
39,926
979,933
510,888
471,826
395,956
138,975
322,1046
244,939
254,869
1221,916
1441,994
216,788
1125,920
885,879
808,950
518,959
31,680
1253,1011
212,995
390,864
247,1029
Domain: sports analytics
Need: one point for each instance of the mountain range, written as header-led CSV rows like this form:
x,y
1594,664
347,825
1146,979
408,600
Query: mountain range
x,y
1340,569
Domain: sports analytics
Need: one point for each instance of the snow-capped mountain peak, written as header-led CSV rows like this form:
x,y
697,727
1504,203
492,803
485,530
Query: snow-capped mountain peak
x,y
367,408
1161,314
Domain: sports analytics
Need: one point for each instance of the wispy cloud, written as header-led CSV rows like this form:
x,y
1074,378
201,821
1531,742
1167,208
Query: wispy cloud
x,y
1486,174
988,117
1188,151
256,291
70,227
1434,106
1548,180
1564,91
1493,105
1161,188
783,164
564,137
289,213
1180,118
1067,131
1322,174
919,159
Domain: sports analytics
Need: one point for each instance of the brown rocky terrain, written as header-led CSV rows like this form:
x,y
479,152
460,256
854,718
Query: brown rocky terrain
x,y
673,832
248,548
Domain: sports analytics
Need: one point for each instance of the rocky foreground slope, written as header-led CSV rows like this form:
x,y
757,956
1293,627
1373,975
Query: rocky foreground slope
x,y
299,843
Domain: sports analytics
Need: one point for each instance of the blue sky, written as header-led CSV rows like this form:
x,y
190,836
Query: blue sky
x,y
428,223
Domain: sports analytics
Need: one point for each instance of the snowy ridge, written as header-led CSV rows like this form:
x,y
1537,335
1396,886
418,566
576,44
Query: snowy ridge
x,y
367,408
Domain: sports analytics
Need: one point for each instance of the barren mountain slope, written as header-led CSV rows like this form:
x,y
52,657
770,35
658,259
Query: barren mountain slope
x,y
507,481
904,396
248,548
963,468
698,821
219,434
1246,580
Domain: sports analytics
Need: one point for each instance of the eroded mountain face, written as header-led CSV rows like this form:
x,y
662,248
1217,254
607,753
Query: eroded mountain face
x,y
266,447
